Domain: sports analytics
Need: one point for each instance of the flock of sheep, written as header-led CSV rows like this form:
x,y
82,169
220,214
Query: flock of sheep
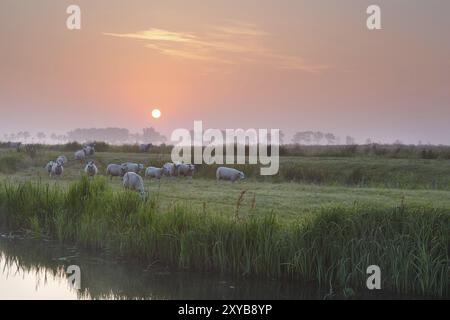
x,y
129,171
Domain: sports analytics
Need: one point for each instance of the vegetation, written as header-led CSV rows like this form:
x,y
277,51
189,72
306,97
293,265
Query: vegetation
x,y
332,247
352,171
322,219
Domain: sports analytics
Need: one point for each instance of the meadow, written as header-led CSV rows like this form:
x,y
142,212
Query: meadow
x,y
324,219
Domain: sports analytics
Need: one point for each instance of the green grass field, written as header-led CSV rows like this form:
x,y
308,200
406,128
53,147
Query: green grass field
x,y
420,183
322,219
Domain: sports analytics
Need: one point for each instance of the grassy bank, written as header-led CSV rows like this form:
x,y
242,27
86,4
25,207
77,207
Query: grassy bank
x,y
332,247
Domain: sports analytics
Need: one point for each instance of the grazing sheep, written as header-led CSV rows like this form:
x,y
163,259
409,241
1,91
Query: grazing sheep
x,y
133,167
171,169
185,170
145,147
57,169
115,170
91,169
89,150
152,172
231,174
49,167
133,181
62,159
80,155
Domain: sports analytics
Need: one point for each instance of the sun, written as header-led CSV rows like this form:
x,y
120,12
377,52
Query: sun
x,y
156,113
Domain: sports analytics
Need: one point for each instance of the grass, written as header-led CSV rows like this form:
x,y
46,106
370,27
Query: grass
x,y
332,247
384,151
322,219
368,172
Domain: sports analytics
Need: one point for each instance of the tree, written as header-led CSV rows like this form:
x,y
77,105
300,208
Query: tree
x,y
282,137
318,136
150,135
349,140
26,135
111,135
41,136
330,137
303,136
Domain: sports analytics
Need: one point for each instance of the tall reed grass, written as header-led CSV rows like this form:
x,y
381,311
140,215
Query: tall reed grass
x,y
332,248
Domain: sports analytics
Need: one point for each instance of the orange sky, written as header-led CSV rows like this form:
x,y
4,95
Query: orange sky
x,y
293,65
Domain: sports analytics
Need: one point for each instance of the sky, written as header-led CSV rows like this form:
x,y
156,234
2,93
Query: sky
x,y
291,65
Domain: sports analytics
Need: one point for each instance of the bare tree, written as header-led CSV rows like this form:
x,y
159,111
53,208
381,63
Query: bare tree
x,y
303,136
349,140
331,138
41,136
318,136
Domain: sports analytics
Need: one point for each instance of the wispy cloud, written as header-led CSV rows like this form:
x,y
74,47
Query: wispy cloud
x,y
234,43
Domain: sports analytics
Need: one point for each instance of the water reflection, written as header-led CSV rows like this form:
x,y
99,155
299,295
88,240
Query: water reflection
x,y
35,269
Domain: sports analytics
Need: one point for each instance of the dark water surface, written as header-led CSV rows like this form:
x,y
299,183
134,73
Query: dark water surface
x,y
36,269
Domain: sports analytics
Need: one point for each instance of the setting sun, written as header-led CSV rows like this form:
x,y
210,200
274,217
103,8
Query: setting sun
x,y
156,113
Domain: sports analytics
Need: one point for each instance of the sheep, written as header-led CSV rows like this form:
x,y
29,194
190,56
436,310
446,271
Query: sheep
x,y
49,167
80,155
152,172
185,170
89,150
62,159
57,169
133,181
145,147
115,170
91,169
171,169
133,167
231,174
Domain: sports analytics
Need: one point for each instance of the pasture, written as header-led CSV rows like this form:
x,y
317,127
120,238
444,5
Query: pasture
x,y
322,219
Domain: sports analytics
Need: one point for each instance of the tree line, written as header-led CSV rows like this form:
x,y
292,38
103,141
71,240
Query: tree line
x,y
108,135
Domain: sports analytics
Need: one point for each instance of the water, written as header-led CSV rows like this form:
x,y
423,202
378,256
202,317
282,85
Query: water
x,y
36,269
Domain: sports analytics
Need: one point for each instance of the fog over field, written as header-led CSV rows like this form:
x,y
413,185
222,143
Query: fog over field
x,y
296,66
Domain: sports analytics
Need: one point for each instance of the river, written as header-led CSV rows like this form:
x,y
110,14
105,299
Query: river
x,y
36,269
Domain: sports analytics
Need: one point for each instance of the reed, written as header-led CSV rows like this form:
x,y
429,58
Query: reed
x,y
332,248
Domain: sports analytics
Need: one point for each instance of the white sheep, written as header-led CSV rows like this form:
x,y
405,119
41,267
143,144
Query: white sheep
x,y
89,150
185,170
91,169
62,159
170,169
115,170
231,174
133,181
80,155
49,167
133,167
153,172
57,169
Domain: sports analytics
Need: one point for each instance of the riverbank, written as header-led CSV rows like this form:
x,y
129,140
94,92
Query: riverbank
x,y
331,247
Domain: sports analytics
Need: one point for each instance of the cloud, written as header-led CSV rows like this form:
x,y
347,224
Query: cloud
x,y
234,43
